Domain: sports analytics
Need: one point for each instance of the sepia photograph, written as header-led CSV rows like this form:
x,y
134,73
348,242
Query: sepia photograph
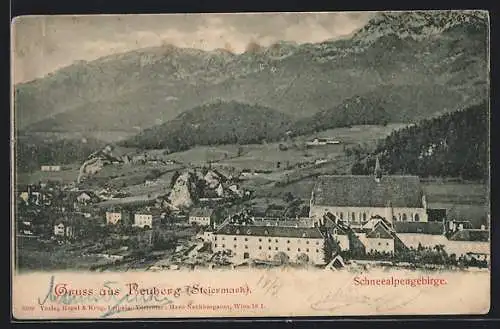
x,y
291,149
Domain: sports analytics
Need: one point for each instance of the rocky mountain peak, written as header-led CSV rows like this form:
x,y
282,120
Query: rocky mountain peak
x,y
416,25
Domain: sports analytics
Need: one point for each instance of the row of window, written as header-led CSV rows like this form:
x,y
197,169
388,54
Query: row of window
x,y
268,240
270,248
363,216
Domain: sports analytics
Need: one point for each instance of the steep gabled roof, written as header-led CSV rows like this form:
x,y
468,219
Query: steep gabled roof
x,y
201,212
365,191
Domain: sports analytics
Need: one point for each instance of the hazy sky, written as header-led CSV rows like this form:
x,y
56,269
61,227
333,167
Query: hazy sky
x,y
42,44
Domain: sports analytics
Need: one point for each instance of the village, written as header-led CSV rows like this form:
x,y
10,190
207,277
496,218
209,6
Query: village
x,y
204,217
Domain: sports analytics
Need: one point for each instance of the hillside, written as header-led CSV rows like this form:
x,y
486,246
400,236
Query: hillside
x,y
397,58
33,152
212,124
452,145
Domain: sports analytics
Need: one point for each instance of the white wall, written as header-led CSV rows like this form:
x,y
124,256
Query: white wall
x,y
343,241
113,217
142,220
268,247
199,220
346,213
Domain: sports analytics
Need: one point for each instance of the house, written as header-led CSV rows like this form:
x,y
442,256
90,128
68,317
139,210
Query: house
x,y
458,225
337,231
143,219
471,235
268,242
459,248
87,197
355,199
63,230
68,228
322,141
50,168
431,227
201,216
114,217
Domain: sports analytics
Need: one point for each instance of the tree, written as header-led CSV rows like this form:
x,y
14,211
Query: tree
x,y
328,251
302,258
282,258
288,197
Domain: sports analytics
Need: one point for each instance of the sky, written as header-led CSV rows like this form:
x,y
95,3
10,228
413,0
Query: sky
x,y
43,44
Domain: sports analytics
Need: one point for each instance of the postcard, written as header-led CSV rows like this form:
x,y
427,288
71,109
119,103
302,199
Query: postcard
x,y
250,165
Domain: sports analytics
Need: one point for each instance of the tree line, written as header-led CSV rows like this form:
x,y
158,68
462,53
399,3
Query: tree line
x,y
452,145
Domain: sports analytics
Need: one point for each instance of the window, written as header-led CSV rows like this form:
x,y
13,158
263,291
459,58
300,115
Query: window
x,y
276,240
379,243
246,239
260,240
269,248
353,216
269,240
288,249
307,250
260,247
216,245
317,250
417,217
298,249
307,242
276,248
341,215
364,216
387,243
288,241
405,218
317,243
235,247
223,246
246,255
246,247
223,239
235,239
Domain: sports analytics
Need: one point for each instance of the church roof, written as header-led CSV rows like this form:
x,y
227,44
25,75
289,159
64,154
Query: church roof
x,y
365,191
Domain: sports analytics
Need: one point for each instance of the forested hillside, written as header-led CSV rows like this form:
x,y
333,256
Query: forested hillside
x,y
452,145
214,124
33,152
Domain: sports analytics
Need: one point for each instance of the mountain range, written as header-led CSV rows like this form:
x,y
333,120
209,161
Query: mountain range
x,y
400,67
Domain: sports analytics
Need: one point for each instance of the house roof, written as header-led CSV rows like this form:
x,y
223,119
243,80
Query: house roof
x,y
271,231
419,227
471,235
201,212
380,231
364,191
282,223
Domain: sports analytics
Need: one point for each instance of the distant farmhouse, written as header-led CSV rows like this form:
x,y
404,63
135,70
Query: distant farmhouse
x,y
50,168
322,141
356,199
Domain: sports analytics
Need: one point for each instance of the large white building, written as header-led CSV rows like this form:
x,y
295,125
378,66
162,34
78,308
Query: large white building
x,y
356,199
266,242
143,220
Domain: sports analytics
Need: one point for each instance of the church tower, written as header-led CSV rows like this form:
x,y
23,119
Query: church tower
x,y
377,171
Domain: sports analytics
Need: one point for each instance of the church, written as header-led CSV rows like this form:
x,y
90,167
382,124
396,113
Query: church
x,y
354,200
